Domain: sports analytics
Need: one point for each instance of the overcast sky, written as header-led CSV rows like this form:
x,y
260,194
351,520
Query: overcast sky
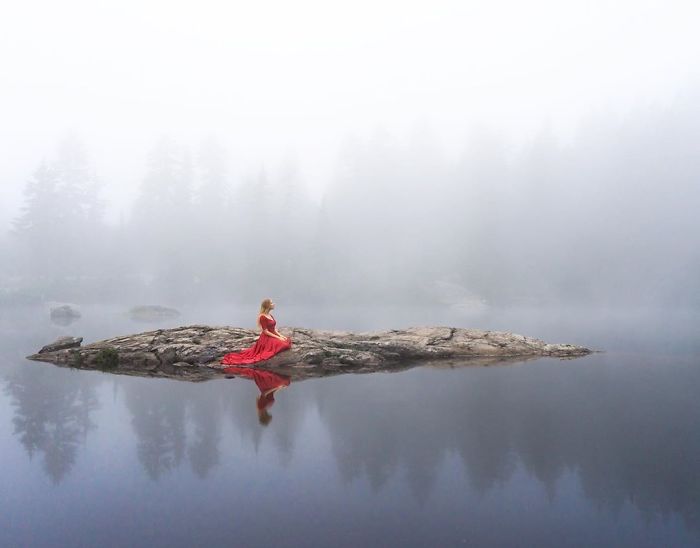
x,y
278,79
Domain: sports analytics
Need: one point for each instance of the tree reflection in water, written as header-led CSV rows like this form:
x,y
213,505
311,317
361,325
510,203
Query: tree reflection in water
x,y
203,452
52,414
629,432
160,412
175,421
158,418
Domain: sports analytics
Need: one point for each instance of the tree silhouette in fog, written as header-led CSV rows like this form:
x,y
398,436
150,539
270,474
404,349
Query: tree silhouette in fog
x,y
293,222
162,220
210,222
36,225
61,222
608,218
253,243
212,197
79,204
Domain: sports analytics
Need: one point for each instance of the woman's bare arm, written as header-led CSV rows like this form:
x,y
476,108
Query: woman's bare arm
x,y
271,334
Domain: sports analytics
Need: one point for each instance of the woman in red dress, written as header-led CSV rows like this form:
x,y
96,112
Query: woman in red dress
x,y
269,343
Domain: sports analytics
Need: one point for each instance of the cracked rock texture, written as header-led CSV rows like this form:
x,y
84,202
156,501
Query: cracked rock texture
x,y
193,352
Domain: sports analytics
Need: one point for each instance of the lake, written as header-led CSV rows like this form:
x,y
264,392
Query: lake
x,y
598,450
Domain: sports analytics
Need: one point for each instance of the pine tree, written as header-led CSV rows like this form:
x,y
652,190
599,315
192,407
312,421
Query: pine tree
x,y
162,219
79,200
213,219
80,210
37,227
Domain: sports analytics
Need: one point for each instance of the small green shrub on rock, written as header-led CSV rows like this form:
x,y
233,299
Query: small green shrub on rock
x,y
77,360
107,358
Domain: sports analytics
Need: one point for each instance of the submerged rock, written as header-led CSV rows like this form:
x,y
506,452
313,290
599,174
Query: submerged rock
x,y
64,314
152,313
193,352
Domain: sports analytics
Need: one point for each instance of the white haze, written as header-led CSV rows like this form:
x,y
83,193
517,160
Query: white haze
x,y
471,100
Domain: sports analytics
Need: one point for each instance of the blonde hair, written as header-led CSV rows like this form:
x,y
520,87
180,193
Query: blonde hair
x,y
264,417
264,307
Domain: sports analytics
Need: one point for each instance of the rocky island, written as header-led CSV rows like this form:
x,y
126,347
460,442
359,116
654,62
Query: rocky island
x,y
193,352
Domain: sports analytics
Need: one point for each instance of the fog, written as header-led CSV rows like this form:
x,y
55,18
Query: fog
x,y
471,154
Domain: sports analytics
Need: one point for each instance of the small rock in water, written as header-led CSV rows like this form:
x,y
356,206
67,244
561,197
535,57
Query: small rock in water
x,y
64,314
62,343
65,311
152,313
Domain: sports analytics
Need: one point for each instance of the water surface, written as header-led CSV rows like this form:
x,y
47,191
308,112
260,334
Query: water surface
x,y
600,450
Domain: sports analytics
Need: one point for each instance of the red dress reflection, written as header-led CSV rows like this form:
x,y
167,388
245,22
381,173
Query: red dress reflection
x,y
265,347
268,383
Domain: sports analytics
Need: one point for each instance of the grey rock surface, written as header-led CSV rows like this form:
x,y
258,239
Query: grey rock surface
x,y
193,352
62,343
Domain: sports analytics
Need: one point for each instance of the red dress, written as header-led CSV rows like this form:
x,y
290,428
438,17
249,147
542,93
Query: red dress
x,y
265,347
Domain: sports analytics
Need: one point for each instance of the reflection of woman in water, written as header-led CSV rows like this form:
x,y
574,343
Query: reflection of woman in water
x,y
268,383
269,343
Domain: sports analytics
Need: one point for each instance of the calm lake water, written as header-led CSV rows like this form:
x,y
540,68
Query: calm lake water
x,y
600,450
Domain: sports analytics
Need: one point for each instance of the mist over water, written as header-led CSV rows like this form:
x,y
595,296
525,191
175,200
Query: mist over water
x,y
363,155
524,167
609,219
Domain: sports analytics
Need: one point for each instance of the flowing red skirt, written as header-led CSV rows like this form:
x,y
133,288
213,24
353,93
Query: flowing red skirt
x,y
265,347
